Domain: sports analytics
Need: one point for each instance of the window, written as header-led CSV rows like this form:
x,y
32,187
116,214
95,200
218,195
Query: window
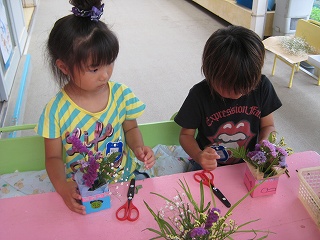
x,y
315,13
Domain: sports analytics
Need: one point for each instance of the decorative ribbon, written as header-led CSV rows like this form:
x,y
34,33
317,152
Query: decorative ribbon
x,y
94,14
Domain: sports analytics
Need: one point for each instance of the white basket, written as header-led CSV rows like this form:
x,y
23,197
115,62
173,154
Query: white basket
x,y
309,191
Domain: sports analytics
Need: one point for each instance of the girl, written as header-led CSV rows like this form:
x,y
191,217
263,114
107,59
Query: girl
x,y
101,113
233,106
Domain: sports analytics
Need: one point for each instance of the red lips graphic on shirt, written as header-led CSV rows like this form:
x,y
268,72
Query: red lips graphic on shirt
x,y
232,135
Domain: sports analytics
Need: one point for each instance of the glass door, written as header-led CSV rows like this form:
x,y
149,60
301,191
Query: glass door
x,y
13,36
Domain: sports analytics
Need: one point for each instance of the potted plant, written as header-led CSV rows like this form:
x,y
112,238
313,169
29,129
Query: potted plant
x,y
95,173
182,218
264,165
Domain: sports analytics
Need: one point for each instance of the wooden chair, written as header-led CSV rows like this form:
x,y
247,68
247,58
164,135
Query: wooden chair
x,y
306,29
27,153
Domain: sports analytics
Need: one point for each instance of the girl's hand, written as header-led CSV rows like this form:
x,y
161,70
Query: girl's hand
x,y
146,155
208,159
71,197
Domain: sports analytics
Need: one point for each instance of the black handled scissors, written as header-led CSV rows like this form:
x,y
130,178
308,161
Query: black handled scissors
x,y
128,211
207,179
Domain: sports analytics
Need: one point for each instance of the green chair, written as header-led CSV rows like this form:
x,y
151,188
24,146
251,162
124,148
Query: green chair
x,y
27,153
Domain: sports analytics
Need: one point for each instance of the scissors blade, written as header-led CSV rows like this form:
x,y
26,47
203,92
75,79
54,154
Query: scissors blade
x,y
131,189
220,196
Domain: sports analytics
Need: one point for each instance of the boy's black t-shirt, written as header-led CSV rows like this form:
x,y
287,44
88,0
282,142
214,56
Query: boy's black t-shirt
x,y
228,122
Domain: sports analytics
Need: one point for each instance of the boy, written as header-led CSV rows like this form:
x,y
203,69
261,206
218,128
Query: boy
x,y
233,105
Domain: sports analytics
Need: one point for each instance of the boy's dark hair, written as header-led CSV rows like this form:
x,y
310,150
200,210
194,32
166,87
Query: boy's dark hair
x,y
75,40
232,60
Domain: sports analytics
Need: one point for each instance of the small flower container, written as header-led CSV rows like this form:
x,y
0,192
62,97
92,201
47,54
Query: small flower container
x,y
94,200
97,202
267,159
268,187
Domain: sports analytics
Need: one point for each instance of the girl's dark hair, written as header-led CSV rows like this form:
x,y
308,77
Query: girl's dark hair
x,y
232,60
75,40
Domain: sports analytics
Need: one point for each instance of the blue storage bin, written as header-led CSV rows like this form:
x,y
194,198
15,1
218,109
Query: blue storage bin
x,y
248,4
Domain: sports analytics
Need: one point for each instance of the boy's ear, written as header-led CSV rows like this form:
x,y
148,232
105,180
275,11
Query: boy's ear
x,y
62,66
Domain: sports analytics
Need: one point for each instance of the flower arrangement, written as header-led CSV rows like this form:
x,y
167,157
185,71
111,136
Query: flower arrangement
x,y
296,46
183,218
97,169
268,159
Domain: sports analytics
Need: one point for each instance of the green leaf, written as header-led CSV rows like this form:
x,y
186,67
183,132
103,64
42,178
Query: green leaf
x,y
201,197
157,232
164,226
239,152
187,191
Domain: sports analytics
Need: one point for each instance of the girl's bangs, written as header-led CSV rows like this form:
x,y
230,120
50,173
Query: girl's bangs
x,y
99,50
102,53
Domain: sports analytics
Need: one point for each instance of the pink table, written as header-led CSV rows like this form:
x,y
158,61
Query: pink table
x,y
44,216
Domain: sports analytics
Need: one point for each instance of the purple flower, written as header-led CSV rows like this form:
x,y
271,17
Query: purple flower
x,y
198,232
213,217
77,145
257,147
257,156
282,162
91,173
269,148
83,163
282,151
90,154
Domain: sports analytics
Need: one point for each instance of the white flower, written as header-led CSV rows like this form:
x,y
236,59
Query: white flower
x,y
296,46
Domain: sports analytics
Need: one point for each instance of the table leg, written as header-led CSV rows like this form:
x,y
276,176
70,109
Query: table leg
x,y
274,65
294,66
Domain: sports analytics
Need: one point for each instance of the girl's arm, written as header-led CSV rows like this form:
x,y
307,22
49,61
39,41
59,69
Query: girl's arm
x,y
56,172
207,158
266,127
135,142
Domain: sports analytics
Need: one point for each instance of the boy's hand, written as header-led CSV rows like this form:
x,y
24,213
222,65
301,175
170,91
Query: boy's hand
x,y
146,155
208,159
71,197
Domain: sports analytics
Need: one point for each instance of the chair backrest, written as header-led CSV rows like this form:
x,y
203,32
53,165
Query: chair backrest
x,y
310,31
27,153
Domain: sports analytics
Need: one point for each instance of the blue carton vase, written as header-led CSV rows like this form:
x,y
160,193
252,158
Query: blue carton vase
x,y
96,200
96,203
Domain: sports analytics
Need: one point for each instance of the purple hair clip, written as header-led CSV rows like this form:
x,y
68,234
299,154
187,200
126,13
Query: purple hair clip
x,y
94,14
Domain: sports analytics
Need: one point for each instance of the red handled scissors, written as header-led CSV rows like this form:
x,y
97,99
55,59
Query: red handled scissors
x,y
128,211
207,179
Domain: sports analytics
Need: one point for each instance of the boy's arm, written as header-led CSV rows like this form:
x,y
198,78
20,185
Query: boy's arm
x,y
206,158
189,144
266,127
